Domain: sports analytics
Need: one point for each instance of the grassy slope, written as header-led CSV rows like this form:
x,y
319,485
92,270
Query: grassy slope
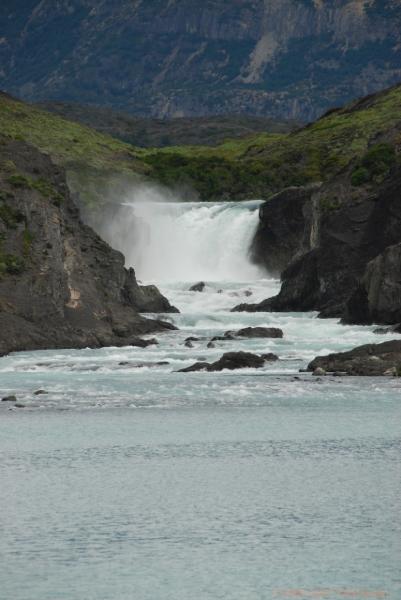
x,y
91,159
246,168
263,164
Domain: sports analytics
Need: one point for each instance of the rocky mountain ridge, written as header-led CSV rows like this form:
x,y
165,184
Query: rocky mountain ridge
x,y
173,58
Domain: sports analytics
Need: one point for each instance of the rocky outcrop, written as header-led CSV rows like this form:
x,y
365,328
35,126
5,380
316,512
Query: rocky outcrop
x,y
378,297
259,332
61,285
282,232
230,361
287,58
371,359
344,266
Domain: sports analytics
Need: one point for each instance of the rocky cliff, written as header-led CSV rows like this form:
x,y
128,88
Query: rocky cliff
x,y
337,244
283,58
61,285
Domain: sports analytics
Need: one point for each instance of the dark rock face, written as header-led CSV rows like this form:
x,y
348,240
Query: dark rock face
x,y
230,361
378,297
371,359
287,58
346,267
270,357
61,285
260,332
281,231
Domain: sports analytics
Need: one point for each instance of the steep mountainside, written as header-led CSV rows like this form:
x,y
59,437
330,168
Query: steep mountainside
x,y
145,132
61,286
282,58
267,163
342,249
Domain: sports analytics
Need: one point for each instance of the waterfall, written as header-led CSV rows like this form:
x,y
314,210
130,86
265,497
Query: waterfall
x,y
187,241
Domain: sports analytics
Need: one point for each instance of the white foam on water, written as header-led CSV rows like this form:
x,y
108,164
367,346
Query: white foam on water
x,y
187,241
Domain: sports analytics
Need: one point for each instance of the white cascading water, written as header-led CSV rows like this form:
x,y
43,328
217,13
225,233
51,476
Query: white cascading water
x,y
187,241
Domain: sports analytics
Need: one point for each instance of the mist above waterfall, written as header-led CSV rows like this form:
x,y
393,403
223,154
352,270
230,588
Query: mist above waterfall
x,y
169,240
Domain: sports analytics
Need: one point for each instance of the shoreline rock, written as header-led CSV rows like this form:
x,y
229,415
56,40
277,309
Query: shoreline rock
x,y
367,360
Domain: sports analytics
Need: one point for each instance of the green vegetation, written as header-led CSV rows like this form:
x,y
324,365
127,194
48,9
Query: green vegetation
x,y
27,240
41,185
10,263
329,204
267,163
10,217
68,143
374,165
76,147
251,167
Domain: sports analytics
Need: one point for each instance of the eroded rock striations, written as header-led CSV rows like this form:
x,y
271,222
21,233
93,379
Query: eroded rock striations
x,y
61,285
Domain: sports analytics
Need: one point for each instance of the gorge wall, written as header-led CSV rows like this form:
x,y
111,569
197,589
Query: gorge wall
x,y
61,285
171,58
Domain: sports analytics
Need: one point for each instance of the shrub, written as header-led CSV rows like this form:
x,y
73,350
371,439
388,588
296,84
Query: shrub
x,y
374,165
10,216
19,181
11,264
360,176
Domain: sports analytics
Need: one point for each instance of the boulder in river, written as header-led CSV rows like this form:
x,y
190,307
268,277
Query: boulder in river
x,y
370,359
9,399
40,393
198,287
260,332
230,361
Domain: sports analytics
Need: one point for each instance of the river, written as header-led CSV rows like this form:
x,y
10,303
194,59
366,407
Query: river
x,y
130,480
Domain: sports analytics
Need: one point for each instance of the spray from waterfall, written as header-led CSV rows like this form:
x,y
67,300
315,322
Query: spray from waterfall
x,y
166,240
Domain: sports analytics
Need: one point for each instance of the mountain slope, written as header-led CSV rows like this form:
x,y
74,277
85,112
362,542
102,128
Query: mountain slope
x,y
281,58
264,164
146,132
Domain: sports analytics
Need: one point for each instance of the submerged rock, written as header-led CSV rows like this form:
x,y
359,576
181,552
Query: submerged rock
x,y
140,365
370,359
9,399
40,393
188,344
198,366
198,287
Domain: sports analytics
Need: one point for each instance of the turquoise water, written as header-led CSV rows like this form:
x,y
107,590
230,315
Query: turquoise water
x,y
129,481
